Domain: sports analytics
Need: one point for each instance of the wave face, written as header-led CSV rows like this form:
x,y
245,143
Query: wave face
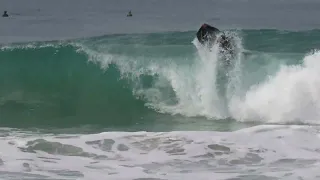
x,y
136,79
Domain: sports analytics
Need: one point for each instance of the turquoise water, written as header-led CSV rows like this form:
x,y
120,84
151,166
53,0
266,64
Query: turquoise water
x,y
127,81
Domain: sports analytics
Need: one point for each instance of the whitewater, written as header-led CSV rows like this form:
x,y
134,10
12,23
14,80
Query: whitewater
x,y
263,152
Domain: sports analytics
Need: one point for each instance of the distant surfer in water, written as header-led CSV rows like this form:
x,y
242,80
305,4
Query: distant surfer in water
x,y
208,34
5,14
129,14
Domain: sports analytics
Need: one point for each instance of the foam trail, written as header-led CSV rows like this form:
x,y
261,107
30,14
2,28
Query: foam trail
x,y
215,84
292,94
206,79
234,74
195,86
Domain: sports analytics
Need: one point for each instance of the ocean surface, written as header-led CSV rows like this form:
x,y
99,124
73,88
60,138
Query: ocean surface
x,y
88,93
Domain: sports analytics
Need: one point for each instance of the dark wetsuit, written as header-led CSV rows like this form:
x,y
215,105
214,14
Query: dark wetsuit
x,y
208,34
